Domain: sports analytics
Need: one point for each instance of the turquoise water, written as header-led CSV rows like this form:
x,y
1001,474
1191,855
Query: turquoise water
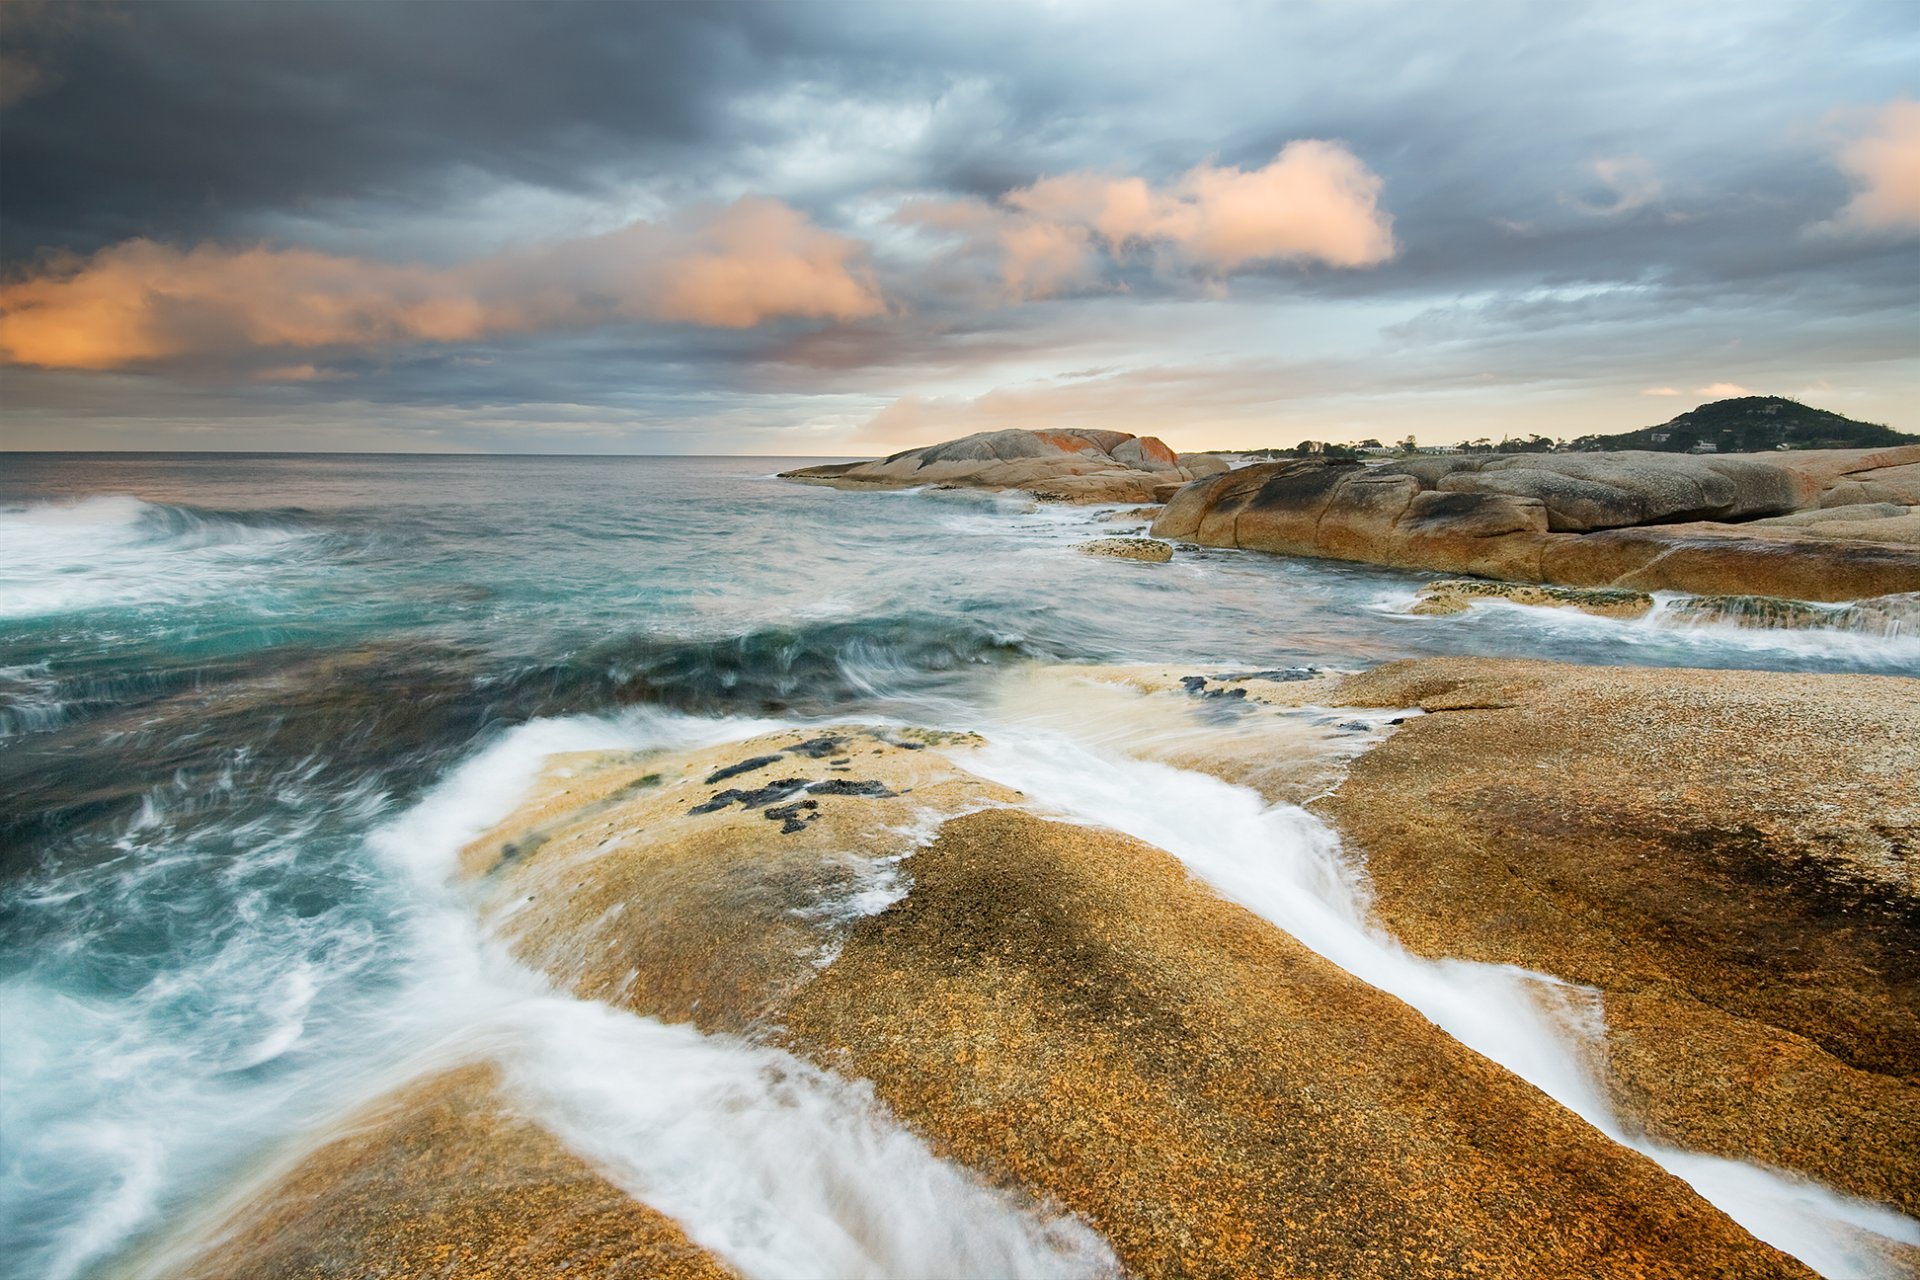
x,y
225,679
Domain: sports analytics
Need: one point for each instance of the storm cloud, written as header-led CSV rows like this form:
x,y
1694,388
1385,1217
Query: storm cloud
x,y
831,227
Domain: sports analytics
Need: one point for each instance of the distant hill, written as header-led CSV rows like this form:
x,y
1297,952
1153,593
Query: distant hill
x,y
1753,424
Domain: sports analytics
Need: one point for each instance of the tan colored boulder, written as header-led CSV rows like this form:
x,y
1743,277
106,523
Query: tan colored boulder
x,y
1061,466
1129,549
1838,474
1067,1009
1070,1013
1646,522
1726,856
1711,559
1902,529
440,1179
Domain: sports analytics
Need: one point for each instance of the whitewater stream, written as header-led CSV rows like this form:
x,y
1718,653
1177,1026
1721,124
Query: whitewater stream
x,y
251,707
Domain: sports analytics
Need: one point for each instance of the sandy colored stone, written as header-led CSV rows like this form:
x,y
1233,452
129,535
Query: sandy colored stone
x,y
1145,549
1638,521
1456,595
442,1179
1904,529
1731,856
1064,1008
1068,465
609,880
1813,563
1140,514
1068,1012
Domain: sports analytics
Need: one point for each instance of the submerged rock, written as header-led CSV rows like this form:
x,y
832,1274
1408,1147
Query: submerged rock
x,y
1063,466
1641,521
1129,549
1456,595
1140,514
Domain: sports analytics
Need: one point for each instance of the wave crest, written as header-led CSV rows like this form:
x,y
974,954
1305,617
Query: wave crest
x,y
119,551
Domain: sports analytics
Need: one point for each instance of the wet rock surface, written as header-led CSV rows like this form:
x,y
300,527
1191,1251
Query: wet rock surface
x,y
654,888
1129,549
443,1179
1640,521
1726,856
1061,466
1733,858
1068,1012
1065,1008
1457,595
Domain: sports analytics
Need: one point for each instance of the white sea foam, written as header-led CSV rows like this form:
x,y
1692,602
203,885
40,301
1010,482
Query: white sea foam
x,y
780,1168
116,551
1878,633
1287,867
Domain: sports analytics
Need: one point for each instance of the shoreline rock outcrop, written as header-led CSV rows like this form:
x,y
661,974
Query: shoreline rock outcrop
x,y
1061,466
1727,858
1731,857
1641,521
1070,1013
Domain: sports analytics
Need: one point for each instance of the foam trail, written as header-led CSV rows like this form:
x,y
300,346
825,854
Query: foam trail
x,y
778,1166
1881,633
1286,866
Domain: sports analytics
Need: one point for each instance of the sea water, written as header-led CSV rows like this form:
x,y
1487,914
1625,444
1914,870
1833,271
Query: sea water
x,y
250,704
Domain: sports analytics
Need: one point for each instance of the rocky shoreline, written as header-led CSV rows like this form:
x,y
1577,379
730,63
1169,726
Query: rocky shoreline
x,y
1709,879
1818,525
1726,859
1054,466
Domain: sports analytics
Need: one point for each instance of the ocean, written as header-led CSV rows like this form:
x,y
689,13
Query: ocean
x,y
251,704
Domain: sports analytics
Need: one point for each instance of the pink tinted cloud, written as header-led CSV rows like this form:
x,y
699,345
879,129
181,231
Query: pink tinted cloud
x,y
732,267
1885,165
1314,202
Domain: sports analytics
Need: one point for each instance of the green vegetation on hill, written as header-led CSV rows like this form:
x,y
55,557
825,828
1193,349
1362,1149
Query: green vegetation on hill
x,y
1753,424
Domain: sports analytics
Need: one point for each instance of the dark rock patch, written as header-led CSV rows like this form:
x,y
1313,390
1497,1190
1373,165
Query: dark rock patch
x,y
754,799
817,748
848,787
745,766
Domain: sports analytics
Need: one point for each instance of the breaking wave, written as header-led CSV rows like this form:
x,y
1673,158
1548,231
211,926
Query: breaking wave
x,y
117,551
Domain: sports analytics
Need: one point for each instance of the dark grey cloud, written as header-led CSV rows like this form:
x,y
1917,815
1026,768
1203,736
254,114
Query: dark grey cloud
x,y
403,130
174,119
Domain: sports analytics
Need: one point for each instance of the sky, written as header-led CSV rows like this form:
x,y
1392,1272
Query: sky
x,y
819,228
